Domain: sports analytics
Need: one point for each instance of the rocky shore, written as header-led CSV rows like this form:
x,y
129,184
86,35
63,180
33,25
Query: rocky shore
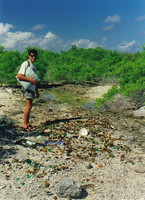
x,y
108,162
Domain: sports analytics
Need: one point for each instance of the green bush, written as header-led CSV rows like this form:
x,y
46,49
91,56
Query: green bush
x,y
79,65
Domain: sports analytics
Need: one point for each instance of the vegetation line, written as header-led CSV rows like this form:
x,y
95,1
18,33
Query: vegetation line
x,y
80,66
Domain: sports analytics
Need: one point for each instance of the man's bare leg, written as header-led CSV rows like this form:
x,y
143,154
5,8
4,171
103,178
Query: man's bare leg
x,y
27,112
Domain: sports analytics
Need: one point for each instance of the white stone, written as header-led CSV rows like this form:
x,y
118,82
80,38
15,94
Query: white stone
x,y
140,112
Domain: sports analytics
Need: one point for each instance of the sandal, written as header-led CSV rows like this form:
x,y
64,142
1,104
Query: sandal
x,y
25,129
29,128
32,128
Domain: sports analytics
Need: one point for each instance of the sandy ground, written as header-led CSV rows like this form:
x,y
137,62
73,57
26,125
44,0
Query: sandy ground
x,y
31,173
97,92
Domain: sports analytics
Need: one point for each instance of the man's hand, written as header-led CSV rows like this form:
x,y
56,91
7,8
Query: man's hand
x,y
33,81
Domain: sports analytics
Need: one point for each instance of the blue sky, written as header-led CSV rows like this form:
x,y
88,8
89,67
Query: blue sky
x,y
56,25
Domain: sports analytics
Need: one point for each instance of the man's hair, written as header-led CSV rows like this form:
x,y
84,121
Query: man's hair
x,y
33,51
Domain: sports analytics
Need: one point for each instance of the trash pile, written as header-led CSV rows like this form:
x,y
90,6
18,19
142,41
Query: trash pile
x,y
68,139
46,160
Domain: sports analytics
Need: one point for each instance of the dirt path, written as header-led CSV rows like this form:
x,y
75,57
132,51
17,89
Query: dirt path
x,y
97,92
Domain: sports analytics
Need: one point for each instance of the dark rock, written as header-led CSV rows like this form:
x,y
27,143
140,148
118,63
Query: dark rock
x,y
68,188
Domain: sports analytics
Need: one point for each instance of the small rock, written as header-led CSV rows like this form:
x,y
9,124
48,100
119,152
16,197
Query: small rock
x,y
140,112
47,184
68,188
141,170
88,165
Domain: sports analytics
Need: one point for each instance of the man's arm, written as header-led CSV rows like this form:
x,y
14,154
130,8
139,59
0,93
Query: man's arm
x,y
23,77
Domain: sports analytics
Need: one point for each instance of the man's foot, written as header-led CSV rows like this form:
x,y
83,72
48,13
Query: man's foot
x,y
29,128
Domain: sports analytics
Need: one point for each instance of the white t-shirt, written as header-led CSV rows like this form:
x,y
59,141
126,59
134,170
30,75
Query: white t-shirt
x,y
23,69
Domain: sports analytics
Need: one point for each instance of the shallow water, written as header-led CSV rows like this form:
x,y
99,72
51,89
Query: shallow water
x,y
48,96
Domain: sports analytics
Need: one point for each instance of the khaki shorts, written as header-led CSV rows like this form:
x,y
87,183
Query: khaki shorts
x,y
29,94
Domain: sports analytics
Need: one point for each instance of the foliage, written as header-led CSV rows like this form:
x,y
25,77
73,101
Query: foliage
x,y
80,65
8,62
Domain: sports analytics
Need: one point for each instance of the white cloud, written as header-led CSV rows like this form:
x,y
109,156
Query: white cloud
x,y
4,28
51,41
82,43
108,28
112,19
140,18
20,36
38,27
50,36
21,40
126,46
16,40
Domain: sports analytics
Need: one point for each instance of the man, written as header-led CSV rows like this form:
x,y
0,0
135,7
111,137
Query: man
x,y
29,94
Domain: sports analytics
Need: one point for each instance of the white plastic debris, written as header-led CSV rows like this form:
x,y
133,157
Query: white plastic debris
x,y
83,132
47,130
9,91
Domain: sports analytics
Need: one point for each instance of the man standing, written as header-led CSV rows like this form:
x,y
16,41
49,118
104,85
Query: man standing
x,y
29,94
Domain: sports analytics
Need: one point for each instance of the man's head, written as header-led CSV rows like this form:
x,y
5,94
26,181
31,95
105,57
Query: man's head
x,y
32,55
